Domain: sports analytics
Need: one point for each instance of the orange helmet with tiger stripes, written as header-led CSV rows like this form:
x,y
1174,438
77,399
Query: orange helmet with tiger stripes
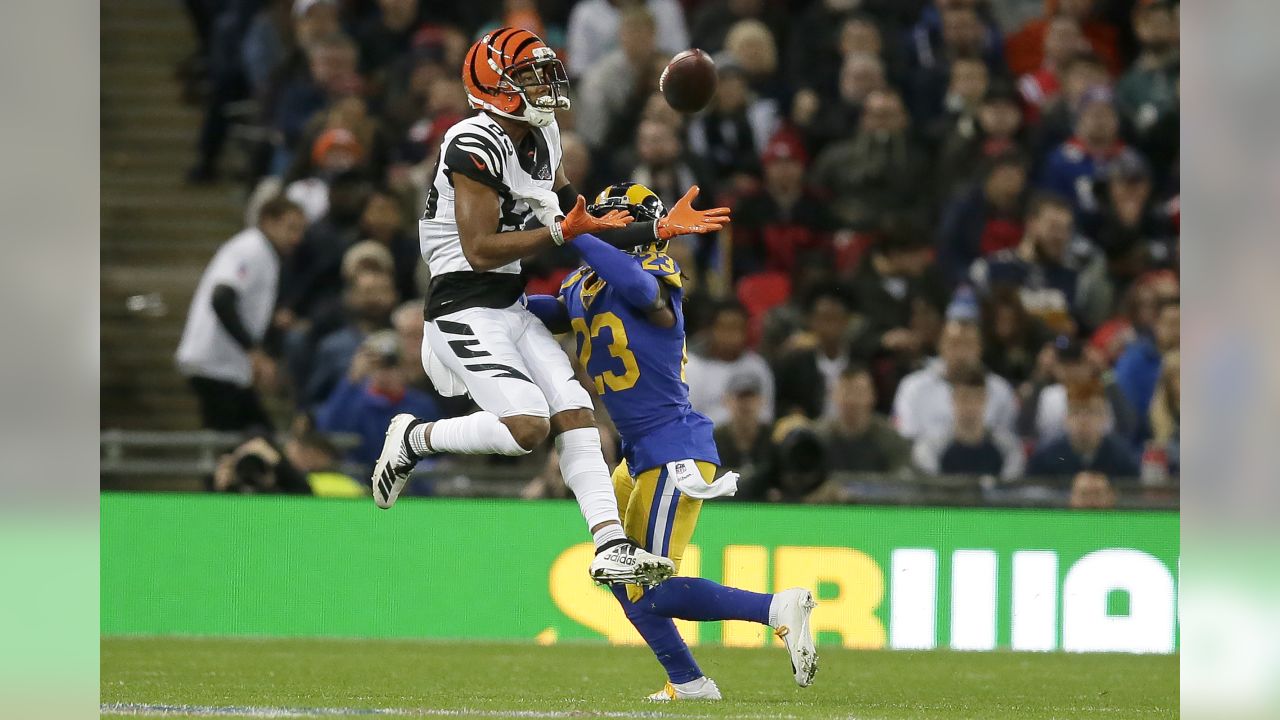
x,y
502,68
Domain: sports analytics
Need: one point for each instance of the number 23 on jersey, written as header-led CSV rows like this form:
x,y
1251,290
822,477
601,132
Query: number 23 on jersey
x,y
617,349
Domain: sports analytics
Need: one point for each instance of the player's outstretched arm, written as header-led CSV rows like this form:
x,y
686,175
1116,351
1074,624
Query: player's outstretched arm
x,y
634,286
551,311
478,210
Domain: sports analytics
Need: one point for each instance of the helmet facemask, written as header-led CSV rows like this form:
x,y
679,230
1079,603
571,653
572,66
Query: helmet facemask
x,y
544,70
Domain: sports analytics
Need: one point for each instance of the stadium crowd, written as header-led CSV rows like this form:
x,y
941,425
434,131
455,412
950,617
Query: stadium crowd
x,y
955,240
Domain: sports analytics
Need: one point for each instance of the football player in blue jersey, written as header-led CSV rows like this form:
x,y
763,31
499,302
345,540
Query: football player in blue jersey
x,y
625,311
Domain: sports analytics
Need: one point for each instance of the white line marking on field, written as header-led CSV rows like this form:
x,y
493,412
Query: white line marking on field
x,y
162,710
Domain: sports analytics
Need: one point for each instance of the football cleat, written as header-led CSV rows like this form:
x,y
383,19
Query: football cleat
x,y
704,688
395,463
622,561
790,617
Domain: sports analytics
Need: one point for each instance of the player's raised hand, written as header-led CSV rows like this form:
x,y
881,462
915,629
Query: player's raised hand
x,y
579,221
682,219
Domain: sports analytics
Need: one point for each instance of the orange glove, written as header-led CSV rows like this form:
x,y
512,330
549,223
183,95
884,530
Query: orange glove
x,y
682,219
579,221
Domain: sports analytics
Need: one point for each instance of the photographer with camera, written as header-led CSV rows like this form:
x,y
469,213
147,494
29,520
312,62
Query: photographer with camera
x,y
305,466
374,390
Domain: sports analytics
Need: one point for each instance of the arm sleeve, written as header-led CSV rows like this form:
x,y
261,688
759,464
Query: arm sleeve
x,y
620,270
633,235
477,157
550,311
226,305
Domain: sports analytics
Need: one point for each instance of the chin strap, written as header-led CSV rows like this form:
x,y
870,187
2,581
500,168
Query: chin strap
x,y
690,482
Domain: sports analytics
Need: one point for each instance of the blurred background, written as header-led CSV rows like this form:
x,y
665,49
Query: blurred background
x,y
952,276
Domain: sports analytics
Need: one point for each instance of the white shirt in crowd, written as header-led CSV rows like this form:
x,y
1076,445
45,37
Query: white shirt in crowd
x,y
593,31
923,404
830,369
249,264
708,380
1051,413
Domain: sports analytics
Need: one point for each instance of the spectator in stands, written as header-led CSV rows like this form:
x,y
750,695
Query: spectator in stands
x,y
722,135
742,439
1136,233
1086,446
960,34
723,356
576,160
1137,314
1165,414
1012,338
368,299
331,64
222,351
969,446
892,279
878,171
228,83
1077,168
923,405
785,223
350,114
616,86
312,280
660,165
383,222
372,391
829,118
712,20
384,37
1062,279
334,152
813,359
995,131
857,438
966,89
277,35
1057,120
1025,49
984,218
1138,368
1063,40
1092,491
1044,411
594,29
750,45
1148,91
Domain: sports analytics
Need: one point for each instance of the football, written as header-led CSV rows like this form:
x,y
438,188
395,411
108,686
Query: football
x,y
688,82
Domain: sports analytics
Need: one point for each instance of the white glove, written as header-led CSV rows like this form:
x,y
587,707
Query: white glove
x,y
689,481
544,203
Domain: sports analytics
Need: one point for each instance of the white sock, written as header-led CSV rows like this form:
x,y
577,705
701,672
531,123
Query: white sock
x,y
773,611
608,534
582,466
480,433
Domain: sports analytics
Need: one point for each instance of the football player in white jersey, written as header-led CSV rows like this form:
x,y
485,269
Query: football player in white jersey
x,y
498,177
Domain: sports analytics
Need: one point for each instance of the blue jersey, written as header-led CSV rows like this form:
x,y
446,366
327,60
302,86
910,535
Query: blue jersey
x,y
638,368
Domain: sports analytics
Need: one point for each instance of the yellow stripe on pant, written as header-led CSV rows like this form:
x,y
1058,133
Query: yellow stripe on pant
x,y
655,514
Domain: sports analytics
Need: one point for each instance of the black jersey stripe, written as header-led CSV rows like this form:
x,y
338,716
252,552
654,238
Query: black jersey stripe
x,y
483,152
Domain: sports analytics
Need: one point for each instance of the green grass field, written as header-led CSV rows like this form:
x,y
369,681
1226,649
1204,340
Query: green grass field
x,y
201,678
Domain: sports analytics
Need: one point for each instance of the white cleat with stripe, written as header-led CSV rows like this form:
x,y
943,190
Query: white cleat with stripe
x,y
395,463
622,561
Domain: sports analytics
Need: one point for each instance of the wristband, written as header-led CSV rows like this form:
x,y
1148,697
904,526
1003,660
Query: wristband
x,y
557,233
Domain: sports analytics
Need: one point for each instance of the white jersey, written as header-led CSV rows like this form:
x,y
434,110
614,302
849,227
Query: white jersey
x,y
480,149
249,264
